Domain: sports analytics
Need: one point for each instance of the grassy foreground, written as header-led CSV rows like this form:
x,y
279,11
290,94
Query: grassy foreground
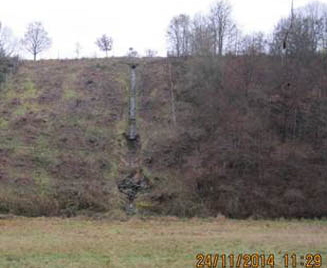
x,y
158,242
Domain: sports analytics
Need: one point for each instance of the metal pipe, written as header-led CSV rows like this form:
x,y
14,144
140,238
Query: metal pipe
x,y
132,106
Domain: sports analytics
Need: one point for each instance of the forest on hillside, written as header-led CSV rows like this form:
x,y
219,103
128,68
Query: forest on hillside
x,y
228,124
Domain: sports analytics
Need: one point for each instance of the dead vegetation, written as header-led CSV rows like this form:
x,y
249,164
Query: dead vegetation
x,y
247,140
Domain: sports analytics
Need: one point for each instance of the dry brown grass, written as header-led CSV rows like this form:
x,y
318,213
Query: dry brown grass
x,y
154,242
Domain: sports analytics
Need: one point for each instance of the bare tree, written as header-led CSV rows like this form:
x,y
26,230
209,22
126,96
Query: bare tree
x,y
221,23
254,44
179,35
201,39
36,39
104,43
151,53
233,40
324,36
2,42
8,61
316,14
306,36
8,43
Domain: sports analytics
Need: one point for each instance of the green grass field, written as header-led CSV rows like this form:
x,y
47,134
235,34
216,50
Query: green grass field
x,y
154,242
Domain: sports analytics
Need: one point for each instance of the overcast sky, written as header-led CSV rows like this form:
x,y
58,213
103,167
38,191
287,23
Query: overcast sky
x,y
139,24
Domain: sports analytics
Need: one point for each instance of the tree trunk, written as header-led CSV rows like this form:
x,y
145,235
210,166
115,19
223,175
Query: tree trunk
x,y
172,95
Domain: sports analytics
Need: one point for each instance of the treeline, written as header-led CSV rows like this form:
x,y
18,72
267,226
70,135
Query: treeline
x,y
36,40
302,33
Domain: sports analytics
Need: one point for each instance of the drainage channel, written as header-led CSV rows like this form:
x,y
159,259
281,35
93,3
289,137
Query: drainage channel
x,y
134,182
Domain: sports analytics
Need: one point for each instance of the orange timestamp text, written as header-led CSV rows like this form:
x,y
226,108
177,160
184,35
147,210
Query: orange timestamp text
x,y
257,260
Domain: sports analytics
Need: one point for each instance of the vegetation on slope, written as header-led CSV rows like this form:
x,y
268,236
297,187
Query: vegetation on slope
x,y
61,133
250,139
246,137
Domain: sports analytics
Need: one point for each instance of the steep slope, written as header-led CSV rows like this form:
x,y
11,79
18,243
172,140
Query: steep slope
x,y
61,136
234,135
